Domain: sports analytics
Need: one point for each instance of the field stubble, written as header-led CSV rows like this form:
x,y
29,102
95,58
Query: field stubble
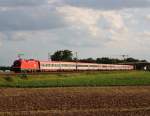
x,y
104,101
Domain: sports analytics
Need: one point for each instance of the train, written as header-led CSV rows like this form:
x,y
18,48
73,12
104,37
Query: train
x,y
32,65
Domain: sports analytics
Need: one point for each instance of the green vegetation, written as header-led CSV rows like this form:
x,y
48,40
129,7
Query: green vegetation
x,y
62,55
115,78
67,55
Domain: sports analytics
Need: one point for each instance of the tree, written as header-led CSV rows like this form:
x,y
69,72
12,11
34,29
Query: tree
x,y
88,60
104,60
144,61
4,68
132,60
62,55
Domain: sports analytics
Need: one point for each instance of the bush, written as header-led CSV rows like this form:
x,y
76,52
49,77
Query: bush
x,y
24,76
8,78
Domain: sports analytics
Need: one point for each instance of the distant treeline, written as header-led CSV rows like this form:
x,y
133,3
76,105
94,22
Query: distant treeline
x,y
106,60
67,55
5,68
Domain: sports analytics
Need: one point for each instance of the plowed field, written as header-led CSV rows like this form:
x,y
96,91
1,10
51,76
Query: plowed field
x,y
99,101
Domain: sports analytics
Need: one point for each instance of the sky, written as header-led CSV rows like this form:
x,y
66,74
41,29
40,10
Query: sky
x,y
93,28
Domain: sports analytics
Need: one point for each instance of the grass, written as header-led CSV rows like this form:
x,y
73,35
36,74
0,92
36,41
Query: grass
x,y
116,78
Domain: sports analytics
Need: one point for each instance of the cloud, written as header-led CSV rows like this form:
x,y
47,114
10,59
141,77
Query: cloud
x,y
111,30
38,18
96,23
145,35
74,26
16,35
147,17
22,18
11,3
109,4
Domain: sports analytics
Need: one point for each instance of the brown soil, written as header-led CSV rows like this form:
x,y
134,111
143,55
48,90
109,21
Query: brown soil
x,y
102,101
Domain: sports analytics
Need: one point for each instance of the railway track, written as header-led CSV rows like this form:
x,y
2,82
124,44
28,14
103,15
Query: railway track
x,y
35,73
43,73
48,73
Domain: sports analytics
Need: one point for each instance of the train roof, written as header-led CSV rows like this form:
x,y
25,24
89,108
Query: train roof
x,y
26,60
66,62
78,62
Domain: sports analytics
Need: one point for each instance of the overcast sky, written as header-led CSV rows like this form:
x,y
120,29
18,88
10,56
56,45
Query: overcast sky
x,y
93,28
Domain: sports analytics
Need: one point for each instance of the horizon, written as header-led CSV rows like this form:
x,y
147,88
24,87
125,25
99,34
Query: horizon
x,y
120,57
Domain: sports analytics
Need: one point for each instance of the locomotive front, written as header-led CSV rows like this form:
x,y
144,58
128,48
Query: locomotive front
x,y
25,66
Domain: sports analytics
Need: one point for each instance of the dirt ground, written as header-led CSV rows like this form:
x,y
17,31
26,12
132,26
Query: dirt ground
x,y
96,101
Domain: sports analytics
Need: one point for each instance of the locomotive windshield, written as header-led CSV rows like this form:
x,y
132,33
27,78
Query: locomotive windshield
x,y
17,64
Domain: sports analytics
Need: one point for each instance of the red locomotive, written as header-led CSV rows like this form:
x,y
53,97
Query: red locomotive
x,y
26,65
